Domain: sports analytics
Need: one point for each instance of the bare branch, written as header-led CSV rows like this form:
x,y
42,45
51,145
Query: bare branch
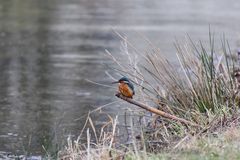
x,y
157,111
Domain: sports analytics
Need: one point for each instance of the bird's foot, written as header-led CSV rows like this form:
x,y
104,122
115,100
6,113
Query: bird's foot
x,y
118,94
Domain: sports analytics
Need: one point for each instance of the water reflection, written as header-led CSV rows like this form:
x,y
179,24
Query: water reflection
x,y
43,70
49,48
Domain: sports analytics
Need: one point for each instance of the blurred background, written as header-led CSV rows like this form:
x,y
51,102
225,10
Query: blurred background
x,y
49,48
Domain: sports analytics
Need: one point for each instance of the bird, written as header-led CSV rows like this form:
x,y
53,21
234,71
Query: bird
x,y
125,87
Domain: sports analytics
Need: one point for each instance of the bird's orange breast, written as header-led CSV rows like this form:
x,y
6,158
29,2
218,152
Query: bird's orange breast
x,y
125,90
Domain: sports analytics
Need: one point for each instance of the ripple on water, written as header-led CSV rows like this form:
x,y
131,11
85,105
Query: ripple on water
x,y
71,61
10,156
73,56
83,94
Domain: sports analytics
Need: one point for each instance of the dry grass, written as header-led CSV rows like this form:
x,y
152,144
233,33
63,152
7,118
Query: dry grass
x,y
202,88
99,146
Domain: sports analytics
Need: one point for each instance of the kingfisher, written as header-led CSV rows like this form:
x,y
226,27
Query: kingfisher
x,y
125,87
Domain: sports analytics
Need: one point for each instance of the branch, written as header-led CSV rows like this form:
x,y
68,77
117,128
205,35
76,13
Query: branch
x,y
157,111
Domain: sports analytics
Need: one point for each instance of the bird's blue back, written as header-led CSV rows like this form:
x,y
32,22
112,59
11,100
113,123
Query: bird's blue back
x,y
131,86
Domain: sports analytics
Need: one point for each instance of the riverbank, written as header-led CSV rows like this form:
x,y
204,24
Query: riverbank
x,y
221,144
218,146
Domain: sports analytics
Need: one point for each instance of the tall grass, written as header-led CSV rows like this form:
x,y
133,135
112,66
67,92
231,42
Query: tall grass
x,y
201,87
203,84
198,88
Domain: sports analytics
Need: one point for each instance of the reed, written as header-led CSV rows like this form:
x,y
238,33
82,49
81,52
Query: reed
x,y
201,89
200,86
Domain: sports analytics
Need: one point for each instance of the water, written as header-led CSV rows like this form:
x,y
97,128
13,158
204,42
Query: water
x,y
49,48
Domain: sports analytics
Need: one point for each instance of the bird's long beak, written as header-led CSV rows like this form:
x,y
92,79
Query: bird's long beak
x,y
115,82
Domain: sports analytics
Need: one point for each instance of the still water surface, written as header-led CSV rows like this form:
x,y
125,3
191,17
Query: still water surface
x,y
49,48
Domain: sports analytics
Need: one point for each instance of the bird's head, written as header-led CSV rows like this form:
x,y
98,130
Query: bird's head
x,y
122,80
